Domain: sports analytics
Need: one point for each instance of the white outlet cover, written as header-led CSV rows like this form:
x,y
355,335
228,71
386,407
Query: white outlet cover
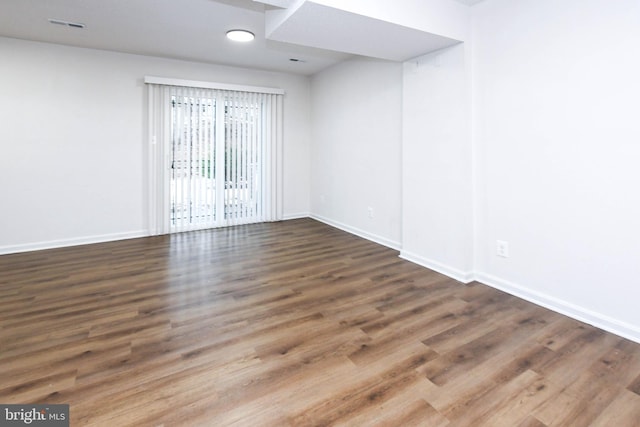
x,y
502,248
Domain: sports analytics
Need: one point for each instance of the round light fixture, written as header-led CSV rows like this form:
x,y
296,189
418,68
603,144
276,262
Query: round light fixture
x,y
240,35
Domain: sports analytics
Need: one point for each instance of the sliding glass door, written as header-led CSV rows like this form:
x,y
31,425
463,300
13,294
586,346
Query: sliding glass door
x,y
214,158
217,160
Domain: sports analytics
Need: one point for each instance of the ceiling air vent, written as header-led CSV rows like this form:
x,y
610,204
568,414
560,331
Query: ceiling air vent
x,y
66,23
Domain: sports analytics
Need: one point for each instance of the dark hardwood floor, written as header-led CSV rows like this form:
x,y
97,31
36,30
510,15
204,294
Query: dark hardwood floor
x,y
293,323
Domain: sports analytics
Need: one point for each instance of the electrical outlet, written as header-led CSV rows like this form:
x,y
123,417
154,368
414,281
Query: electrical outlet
x,y
502,248
370,212
322,198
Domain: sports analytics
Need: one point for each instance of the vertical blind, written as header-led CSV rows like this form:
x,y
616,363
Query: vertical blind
x,y
214,157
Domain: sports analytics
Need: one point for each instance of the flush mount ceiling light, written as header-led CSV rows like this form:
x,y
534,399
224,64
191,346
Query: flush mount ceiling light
x,y
240,35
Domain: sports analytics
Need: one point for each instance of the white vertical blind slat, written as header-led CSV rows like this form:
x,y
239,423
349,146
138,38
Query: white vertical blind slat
x,y
268,155
219,159
229,190
197,167
243,158
260,157
277,185
251,160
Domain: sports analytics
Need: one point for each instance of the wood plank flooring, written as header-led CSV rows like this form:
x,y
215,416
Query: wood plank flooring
x,y
293,324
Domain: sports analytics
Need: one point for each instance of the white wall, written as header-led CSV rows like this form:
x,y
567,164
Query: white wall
x,y
558,141
72,168
356,148
437,178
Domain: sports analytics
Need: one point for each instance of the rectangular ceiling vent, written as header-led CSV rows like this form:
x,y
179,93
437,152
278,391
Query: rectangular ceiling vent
x,y
66,23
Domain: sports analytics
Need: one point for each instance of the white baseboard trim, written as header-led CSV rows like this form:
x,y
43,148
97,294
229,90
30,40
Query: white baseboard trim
x,y
609,324
287,217
52,244
459,275
360,233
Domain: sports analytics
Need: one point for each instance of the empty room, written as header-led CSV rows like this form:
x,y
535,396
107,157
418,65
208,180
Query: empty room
x,y
320,212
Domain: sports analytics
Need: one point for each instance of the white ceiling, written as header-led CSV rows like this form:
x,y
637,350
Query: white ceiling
x,y
182,29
